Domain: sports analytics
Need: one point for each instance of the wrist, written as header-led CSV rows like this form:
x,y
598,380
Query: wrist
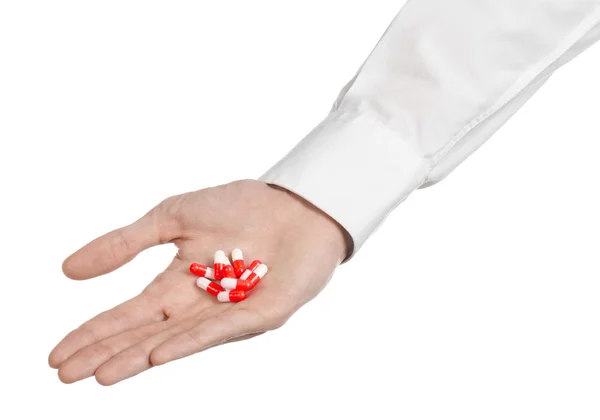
x,y
310,220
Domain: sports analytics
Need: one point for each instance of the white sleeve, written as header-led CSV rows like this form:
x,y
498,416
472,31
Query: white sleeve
x,y
442,79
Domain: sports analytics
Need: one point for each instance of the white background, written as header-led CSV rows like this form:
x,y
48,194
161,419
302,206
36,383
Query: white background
x,y
488,303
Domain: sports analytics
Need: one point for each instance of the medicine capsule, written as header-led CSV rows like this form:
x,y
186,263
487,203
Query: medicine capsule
x,y
219,264
250,283
228,272
210,286
228,269
238,262
250,269
201,270
231,296
256,276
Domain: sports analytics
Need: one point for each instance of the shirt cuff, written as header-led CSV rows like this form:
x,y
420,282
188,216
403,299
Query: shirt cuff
x,y
345,167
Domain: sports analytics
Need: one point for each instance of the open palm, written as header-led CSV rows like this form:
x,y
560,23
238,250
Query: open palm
x,y
172,318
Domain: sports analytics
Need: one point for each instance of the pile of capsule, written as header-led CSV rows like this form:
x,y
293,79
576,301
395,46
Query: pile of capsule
x,y
236,279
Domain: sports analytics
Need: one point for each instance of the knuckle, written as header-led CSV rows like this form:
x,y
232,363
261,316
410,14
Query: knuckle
x,y
172,205
193,336
168,216
139,353
99,352
121,246
87,332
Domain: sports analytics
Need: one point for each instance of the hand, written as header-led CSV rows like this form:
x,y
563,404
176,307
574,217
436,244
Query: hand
x,y
172,318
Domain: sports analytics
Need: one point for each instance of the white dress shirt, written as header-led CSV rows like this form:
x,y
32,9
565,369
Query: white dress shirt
x,y
442,79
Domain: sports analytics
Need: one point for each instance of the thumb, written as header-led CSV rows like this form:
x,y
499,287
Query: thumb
x,y
116,248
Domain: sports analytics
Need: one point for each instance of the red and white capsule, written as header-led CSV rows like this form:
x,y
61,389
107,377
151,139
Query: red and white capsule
x,y
249,283
257,275
250,269
219,264
238,262
210,286
231,295
201,270
228,272
228,269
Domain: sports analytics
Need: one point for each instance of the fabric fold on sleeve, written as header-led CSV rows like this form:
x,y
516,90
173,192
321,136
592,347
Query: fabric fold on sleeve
x,y
442,79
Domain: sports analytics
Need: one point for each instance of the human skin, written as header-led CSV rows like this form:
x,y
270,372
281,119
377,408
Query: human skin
x,y
172,318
